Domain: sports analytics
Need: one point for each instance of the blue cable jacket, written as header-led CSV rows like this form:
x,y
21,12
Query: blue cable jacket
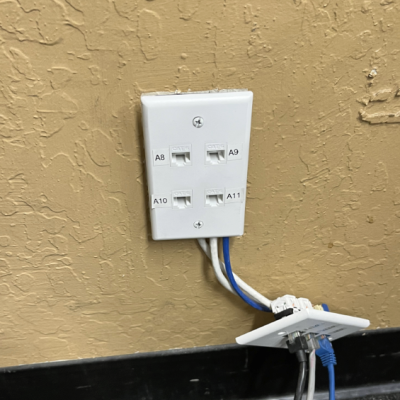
x,y
228,268
329,362
325,307
328,359
331,372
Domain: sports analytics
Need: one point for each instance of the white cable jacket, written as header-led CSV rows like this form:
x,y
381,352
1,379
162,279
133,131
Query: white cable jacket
x,y
204,245
252,292
216,265
311,376
243,285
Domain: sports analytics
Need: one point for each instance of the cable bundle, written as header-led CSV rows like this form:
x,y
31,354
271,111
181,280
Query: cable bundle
x,y
235,285
298,343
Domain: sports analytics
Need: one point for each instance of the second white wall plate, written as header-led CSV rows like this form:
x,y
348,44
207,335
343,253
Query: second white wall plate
x,y
318,322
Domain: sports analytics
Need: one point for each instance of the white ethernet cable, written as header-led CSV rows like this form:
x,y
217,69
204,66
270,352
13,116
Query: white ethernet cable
x,y
311,376
276,306
216,263
219,266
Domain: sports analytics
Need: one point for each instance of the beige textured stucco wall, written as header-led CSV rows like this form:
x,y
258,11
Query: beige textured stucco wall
x,y
79,276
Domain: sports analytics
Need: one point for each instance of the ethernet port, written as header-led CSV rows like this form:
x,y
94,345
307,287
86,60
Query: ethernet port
x,y
214,200
216,157
182,202
180,159
215,153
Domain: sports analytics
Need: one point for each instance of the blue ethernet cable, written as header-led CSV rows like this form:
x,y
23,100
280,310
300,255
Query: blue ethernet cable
x,y
331,371
327,356
231,278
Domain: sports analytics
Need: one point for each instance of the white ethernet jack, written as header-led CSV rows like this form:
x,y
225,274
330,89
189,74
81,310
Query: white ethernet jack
x,y
197,150
306,321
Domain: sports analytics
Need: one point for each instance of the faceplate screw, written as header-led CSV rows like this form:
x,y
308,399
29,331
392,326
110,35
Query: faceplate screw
x,y
198,224
198,122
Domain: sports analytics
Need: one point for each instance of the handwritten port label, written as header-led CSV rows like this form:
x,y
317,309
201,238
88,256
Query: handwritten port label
x,y
181,193
214,191
160,157
215,146
234,195
161,201
182,148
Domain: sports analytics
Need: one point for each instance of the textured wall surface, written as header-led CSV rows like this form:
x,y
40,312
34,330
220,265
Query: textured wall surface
x,y
79,275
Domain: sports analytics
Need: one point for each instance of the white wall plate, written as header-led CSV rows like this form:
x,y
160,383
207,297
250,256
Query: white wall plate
x,y
306,321
197,148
